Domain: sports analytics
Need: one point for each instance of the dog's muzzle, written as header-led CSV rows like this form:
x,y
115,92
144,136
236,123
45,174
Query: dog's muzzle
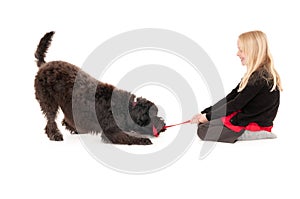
x,y
158,126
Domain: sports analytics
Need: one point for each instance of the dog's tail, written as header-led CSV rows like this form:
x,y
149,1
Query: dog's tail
x,y
42,48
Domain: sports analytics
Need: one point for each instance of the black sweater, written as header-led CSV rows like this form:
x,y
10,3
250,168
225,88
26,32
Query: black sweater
x,y
255,102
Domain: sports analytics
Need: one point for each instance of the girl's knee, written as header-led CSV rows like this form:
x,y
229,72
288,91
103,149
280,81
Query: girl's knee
x,y
202,130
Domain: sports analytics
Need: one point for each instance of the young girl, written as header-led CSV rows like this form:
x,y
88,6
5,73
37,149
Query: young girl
x,y
252,106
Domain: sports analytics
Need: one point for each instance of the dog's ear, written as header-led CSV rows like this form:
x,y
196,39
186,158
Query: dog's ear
x,y
140,99
153,111
132,97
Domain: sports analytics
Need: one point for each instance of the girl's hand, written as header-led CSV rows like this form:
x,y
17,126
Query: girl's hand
x,y
199,118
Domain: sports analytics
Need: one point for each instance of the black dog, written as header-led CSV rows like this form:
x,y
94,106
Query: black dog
x,y
90,106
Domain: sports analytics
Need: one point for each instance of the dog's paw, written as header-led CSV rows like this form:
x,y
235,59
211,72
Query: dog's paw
x,y
56,137
144,141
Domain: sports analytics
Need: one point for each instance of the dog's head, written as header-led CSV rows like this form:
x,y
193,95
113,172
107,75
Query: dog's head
x,y
144,114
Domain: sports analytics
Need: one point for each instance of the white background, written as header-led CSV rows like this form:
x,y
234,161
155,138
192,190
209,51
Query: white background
x,y
33,167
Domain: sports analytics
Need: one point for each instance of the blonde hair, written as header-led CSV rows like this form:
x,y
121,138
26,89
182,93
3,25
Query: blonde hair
x,y
255,46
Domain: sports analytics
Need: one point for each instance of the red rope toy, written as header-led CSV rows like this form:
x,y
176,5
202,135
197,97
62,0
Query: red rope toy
x,y
156,134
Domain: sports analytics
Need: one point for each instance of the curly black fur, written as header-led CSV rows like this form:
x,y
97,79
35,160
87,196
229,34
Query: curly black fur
x,y
90,106
43,46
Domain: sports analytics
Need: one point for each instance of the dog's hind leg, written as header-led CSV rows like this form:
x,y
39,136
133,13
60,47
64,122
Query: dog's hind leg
x,y
117,136
51,128
50,109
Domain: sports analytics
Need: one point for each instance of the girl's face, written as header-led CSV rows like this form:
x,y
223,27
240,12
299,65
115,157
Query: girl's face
x,y
241,54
